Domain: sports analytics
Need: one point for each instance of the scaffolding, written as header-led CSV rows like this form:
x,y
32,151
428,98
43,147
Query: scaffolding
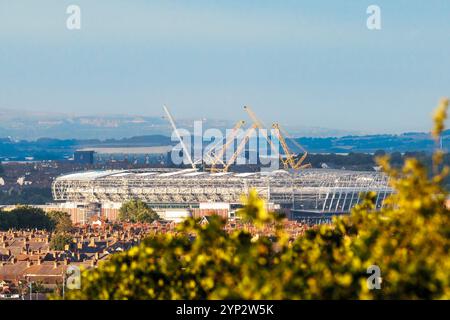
x,y
313,190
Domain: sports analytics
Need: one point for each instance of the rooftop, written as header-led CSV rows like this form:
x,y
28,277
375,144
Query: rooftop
x,y
152,174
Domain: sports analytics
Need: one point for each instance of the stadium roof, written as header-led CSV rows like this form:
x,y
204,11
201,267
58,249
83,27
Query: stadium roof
x,y
307,177
316,189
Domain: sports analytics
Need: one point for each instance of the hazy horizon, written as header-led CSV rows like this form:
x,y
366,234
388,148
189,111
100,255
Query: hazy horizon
x,y
302,64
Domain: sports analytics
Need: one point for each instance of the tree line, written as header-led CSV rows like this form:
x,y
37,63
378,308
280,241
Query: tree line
x,y
25,217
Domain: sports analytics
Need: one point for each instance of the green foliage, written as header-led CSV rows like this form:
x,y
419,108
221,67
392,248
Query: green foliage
x,y
60,240
408,239
38,287
137,211
62,221
25,217
254,210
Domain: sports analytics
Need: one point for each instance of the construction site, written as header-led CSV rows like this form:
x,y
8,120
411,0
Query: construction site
x,y
209,185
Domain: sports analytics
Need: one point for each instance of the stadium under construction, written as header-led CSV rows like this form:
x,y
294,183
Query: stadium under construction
x,y
181,193
300,192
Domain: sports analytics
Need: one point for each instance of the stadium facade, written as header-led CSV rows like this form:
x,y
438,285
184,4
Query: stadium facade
x,y
176,194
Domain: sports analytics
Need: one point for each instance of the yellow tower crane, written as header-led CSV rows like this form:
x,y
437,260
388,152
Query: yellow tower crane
x,y
240,147
262,127
229,140
299,164
289,162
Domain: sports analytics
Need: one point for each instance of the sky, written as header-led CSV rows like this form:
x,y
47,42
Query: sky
x,y
303,63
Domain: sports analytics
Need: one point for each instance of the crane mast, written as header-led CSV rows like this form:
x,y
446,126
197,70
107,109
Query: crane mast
x,y
299,164
289,156
186,153
240,147
261,126
229,140
289,162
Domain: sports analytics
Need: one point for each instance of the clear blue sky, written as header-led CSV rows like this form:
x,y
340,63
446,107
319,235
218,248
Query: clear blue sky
x,y
311,63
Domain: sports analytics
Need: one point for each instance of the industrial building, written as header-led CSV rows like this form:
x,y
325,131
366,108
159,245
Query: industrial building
x,y
176,194
84,156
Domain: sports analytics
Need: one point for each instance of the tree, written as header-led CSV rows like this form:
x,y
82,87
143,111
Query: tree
x,y
137,211
408,240
62,221
379,153
25,217
60,240
396,159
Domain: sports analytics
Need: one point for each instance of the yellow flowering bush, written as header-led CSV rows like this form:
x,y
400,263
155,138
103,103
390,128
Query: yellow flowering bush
x,y
408,239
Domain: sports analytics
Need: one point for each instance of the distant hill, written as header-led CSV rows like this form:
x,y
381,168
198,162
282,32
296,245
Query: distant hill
x,y
56,149
24,135
407,142
53,149
20,124
31,126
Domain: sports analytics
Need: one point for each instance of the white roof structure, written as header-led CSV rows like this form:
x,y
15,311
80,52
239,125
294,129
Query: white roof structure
x,y
309,189
91,175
